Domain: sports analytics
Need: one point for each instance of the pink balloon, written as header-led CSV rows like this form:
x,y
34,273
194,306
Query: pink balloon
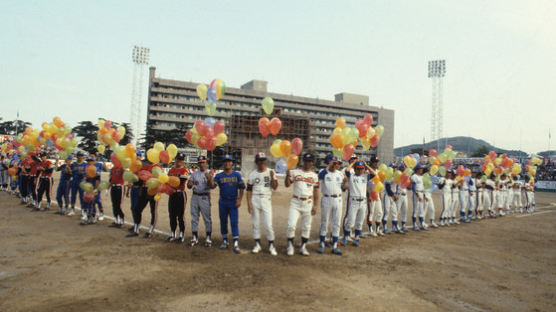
x,y
375,141
461,170
348,151
188,136
358,123
448,164
144,175
368,119
363,130
115,161
297,146
199,124
209,131
433,152
107,124
219,127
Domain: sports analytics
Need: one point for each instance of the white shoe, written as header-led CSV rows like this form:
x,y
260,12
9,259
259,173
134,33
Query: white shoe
x,y
256,249
83,217
303,251
290,250
272,250
71,213
434,225
101,217
379,232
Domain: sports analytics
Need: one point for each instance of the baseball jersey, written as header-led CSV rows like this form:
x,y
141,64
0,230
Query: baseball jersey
x,y
489,184
517,184
502,184
100,168
64,176
417,181
78,170
304,182
331,182
117,176
45,168
465,186
182,173
34,166
200,183
358,184
229,184
261,181
93,180
448,183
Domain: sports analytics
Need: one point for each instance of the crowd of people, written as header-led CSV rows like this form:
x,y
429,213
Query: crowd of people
x,y
347,196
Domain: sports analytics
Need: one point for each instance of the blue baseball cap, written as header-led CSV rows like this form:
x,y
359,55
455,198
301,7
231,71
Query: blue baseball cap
x,y
419,166
80,153
359,164
69,157
260,156
139,153
401,167
227,157
393,165
90,159
332,158
201,159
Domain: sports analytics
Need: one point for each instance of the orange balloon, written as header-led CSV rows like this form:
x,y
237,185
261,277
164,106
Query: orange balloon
x,y
341,123
136,166
285,148
91,171
337,140
275,126
152,192
292,161
130,150
174,181
381,176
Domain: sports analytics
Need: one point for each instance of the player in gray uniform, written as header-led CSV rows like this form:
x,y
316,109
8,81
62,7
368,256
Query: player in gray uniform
x,y
200,182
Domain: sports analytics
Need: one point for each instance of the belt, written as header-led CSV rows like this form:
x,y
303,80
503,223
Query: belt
x,y
43,177
419,191
357,198
334,196
117,185
302,198
201,194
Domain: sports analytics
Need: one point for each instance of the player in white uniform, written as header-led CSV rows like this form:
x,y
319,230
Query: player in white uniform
x,y
303,203
472,197
480,194
458,183
346,191
516,200
502,194
445,185
530,194
464,200
489,195
402,204
357,184
374,205
428,206
332,182
389,207
418,198
260,184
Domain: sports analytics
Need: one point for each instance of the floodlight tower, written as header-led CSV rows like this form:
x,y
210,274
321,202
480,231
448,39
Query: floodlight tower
x,y
437,71
140,58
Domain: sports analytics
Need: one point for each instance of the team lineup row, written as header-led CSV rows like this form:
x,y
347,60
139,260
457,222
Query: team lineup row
x,y
353,185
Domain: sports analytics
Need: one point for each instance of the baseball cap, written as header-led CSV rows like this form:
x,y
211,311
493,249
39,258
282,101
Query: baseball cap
x,y
139,153
70,157
90,159
227,157
354,156
260,156
401,167
80,153
42,154
393,165
308,157
374,159
332,158
180,156
359,164
419,166
201,159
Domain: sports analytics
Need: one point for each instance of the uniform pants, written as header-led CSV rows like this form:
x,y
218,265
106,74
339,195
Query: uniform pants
x,y
428,206
74,186
389,208
23,188
530,199
299,209
374,211
117,196
508,196
145,199
516,200
227,209
98,202
488,202
455,205
45,186
417,205
176,210
32,183
200,204
480,195
62,194
402,207
262,208
446,205
463,202
356,215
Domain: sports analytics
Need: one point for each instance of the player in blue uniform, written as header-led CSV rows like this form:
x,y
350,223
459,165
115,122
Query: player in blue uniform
x,y
90,206
78,174
62,193
98,201
230,183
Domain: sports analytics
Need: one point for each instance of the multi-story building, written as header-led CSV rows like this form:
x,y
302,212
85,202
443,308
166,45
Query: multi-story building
x,y
172,103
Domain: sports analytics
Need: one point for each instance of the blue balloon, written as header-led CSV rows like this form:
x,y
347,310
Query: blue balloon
x,y
281,167
210,121
49,142
212,95
416,156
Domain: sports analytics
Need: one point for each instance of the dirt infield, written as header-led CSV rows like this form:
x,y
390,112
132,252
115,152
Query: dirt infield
x,y
50,263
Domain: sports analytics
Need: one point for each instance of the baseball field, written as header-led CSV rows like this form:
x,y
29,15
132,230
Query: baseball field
x,y
51,263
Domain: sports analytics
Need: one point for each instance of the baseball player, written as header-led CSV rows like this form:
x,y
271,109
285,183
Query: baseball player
x,y
530,195
333,181
445,185
516,200
78,174
133,194
389,207
23,173
418,198
230,183
402,203
374,206
62,193
260,184
44,172
489,187
458,184
352,159
464,200
117,191
178,200
502,195
144,199
90,206
303,203
100,168
200,182
3,173
428,206
33,180
357,183
479,200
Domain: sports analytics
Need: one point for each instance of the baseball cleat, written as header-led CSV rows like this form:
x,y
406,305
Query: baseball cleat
x,y
336,251
320,249
224,244
101,216
71,212
434,225
344,241
236,249
272,250
290,250
303,251
114,225
193,242
132,234
208,242
170,239
456,221
356,242
415,228
83,222
256,249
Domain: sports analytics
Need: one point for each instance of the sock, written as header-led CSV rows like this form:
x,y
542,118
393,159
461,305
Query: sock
x,y
290,242
377,227
194,235
346,234
258,242
208,235
304,240
334,242
270,243
357,233
322,238
421,221
151,228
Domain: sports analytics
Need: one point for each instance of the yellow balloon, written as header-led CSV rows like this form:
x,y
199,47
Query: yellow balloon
x,y
121,130
101,148
152,155
159,146
173,150
366,144
275,150
100,123
157,197
163,178
434,169
202,91
379,187
221,138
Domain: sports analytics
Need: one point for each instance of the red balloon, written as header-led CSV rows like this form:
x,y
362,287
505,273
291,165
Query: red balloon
x,y
116,136
144,175
363,130
69,136
448,164
461,170
164,157
54,137
88,197
374,195
202,142
358,123
165,189
107,124
432,152
449,146
275,126
375,141
264,127
404,178
219,127
211,144
297,146
368,119
209,131
348,151
199,124
492,155
188,136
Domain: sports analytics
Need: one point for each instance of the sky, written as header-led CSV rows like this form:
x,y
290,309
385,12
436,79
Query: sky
x,y
73,58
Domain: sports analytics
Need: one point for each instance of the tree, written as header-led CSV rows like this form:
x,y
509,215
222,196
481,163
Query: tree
x,y
87,132
13,127
175,136
480,152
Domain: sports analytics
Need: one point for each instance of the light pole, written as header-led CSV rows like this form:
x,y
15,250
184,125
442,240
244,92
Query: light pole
x,y
437,71
140,58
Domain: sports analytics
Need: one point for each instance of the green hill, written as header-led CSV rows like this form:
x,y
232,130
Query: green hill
x,y
460,144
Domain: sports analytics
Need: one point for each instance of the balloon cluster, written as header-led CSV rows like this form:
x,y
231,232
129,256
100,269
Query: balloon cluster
x,y
89,188
271,126
108,136
212,93
345,139
289,150
158,182
207,134
158,154
500,164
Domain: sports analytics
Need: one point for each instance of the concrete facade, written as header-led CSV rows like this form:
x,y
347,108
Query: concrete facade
x,y
172,102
